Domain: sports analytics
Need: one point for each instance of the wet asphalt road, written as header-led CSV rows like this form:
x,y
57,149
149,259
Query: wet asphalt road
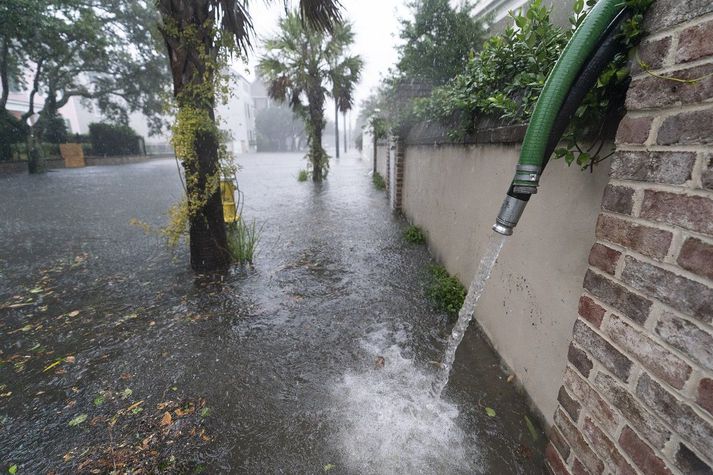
x,y
100,319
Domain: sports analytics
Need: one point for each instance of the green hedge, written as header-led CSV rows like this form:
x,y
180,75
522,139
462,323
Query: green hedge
x,y
112,140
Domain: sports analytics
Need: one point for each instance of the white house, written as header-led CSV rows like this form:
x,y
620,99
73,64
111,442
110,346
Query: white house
x,y
237,115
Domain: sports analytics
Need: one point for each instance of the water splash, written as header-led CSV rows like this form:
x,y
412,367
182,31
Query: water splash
x,y
465,315
390,424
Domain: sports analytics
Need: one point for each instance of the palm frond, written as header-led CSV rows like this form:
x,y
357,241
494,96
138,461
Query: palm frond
x,y
322,15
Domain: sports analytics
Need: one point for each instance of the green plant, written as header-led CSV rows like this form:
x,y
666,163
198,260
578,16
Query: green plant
x,y
505,79
243,239
414,235
303,175
445,291
111,139
378,181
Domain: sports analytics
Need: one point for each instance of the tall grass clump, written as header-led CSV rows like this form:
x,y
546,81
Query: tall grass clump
x,y
303,175
243,239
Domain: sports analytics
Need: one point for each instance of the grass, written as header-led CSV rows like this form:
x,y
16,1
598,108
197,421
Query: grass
x,y
243,239
378,181
303,175
414,235
445,291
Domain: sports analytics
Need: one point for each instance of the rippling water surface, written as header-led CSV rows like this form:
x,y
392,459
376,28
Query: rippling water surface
x,y
275,369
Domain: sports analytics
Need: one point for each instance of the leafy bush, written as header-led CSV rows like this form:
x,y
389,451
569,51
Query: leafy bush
x,y
445,291
303,175
11,132
505,79
414,235
359,141
52,129
112,140
243,239
378,181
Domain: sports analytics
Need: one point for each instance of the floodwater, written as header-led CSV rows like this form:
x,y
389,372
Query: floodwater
x,y
115,356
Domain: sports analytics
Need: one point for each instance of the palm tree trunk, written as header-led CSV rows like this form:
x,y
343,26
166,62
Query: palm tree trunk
x,y
344,126
336,128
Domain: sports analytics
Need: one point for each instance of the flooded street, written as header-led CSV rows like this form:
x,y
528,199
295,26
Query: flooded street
x,y
268,369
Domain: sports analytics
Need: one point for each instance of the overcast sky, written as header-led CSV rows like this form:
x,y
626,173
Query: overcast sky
x,y
375,24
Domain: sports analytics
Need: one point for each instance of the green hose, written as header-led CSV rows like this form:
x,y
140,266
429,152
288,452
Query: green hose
x,y
554,93
555,90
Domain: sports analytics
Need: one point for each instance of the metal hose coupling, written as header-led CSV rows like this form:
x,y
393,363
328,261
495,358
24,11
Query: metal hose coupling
x,y
509,215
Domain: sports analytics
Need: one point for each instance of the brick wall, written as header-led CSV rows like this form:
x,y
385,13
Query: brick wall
x,y
637,395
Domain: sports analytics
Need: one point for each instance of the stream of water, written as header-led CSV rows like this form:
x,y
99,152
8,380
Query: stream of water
x,y
465,315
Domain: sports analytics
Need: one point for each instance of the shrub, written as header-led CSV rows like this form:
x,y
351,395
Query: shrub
x,y
359,141
445,291
378,181
303,175
414,235
243,239
52,129
111,140
11,132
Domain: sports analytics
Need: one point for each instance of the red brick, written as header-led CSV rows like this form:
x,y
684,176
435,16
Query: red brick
x,y
578,444
652,92
555,461
578,468
635,413
606,449
591,311
569,405
648,241
634,130
689,462
611,293
665,13
672,168
681,293
697,257
604,258
618,199
679,415
705,394
707,175
602,351
687,128
690,212
579,360
558,441
687,337
642,455
591,400
652,54
654,357
695,42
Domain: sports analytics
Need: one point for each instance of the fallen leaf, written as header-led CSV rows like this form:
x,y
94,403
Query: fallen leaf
x,y
99,400
69,359
36,290
73,313
510,378
126,393
531,428
379,362
329,466
166,419
135,406
78,420
490,411
52,365
12,470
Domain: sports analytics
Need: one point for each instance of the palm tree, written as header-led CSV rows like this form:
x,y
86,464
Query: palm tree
x,y
302,66
198,34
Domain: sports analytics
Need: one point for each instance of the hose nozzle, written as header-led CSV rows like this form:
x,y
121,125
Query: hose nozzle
x,y
509,215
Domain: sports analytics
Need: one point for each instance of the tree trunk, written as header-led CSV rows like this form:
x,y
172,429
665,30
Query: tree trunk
x,y
336,129
344,126
316,147
207,234
374,132
190,71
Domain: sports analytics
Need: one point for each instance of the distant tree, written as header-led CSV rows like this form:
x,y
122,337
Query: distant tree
x,y
101,50
278,129
302,66
437,41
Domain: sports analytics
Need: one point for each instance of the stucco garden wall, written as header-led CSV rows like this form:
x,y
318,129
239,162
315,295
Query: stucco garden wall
x,y
453,192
